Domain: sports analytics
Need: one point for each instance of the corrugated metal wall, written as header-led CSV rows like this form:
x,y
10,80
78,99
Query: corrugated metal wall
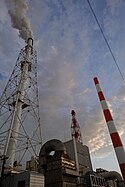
x,y
36,180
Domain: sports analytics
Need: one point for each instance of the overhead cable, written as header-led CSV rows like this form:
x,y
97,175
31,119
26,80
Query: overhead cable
x,y
107,43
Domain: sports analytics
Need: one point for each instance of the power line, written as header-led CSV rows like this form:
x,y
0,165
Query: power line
x,y
109,47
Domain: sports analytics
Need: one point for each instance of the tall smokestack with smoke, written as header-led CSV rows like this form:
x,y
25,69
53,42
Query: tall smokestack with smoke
x,y
17,10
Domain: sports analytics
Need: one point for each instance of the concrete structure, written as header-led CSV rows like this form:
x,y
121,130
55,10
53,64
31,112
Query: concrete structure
x,y
23,179
84,158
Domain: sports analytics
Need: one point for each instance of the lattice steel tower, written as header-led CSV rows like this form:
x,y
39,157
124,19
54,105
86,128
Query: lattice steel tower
x,y
76,132
20,130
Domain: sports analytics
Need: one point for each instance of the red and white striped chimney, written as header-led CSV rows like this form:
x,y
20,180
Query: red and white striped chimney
x,y
119,150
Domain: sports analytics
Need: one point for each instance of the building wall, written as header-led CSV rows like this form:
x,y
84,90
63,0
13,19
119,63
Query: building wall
x,y
24,179
36,180
83,154
20,178
60,171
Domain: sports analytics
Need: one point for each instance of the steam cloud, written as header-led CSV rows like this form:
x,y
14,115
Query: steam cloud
x,y
17,10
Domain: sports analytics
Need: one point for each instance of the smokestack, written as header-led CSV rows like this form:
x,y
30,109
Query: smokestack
x,y
28,49
119,150
11,144
30,42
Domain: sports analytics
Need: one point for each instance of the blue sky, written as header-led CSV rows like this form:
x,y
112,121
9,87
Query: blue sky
x,y
71,51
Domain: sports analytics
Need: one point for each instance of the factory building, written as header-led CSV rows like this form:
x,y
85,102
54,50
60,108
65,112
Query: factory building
x,y
56,167
60,170
23,179
82,152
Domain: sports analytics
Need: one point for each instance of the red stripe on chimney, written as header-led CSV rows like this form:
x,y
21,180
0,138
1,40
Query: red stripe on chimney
x,y
116,140
107,115
96,80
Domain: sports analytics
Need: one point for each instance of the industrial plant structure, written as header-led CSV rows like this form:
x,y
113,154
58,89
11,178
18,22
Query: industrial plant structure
x,y
116,141
56,163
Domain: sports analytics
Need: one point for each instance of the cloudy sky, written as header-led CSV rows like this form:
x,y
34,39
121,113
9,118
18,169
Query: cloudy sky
x,y
71,51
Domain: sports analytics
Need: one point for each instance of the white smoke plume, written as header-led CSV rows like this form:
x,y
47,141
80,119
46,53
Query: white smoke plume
x,y
17,10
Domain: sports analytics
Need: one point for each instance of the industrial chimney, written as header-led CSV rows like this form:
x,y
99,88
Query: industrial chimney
x,y
18,105
119,150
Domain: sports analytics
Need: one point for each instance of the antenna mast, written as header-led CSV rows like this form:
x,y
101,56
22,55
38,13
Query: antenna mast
x,y
76,132
76,136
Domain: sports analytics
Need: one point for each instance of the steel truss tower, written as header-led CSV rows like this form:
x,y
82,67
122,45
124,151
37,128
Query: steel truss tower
x,y
20,130
76,132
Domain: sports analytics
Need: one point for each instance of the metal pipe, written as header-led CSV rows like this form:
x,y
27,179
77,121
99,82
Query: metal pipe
x,y
118,147
113,175
75,139
76,154
11,144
